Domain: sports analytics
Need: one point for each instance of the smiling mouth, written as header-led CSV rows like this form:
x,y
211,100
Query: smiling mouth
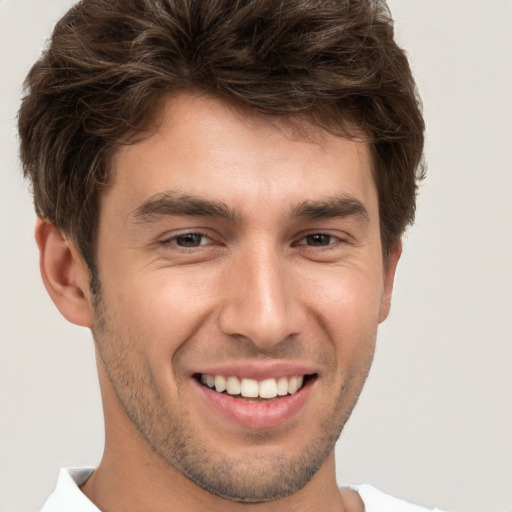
x,y
255,390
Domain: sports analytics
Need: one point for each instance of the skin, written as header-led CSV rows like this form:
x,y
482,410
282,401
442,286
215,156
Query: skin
x,y
264,285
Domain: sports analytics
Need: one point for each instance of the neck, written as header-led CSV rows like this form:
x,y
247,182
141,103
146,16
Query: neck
x,y
130,483
131,477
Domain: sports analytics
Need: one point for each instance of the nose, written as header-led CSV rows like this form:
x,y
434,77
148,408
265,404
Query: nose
x,y
259,303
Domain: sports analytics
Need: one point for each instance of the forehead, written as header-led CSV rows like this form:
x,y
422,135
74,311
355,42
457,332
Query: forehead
x,y
203,146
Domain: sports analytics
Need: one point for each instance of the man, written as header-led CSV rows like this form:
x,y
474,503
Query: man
x,y
221,189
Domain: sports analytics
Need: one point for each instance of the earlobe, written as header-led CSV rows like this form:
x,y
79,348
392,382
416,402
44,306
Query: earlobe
x,y
65,275
389,279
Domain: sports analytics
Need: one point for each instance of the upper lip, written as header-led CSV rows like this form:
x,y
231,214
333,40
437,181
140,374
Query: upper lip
x,y
258,370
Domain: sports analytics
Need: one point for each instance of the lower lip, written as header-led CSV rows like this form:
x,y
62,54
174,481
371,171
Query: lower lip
x,y
256,415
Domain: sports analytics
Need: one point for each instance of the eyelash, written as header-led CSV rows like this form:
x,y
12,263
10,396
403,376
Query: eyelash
x,y
333,240
173,240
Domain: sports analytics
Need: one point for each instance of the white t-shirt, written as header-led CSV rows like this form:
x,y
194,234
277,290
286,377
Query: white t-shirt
x,y
67,496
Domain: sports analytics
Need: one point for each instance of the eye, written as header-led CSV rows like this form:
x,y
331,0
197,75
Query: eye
x,y
189,240
318,240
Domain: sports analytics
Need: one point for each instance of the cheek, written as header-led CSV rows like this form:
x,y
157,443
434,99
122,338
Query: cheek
x,y
350,296
347,309
159,310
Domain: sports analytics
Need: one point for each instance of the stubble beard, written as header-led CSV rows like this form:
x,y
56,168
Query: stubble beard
x,y
262,478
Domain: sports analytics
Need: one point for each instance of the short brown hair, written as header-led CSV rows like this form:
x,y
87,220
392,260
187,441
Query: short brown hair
x,y
110,61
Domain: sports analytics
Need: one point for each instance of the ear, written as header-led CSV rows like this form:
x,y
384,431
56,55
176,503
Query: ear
x,y
389,278
65,274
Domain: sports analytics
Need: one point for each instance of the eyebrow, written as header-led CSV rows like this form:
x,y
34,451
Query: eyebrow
x,y
332,207
169,203
164,204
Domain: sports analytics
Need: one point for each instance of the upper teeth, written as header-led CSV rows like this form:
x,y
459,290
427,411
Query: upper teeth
x,y
251,388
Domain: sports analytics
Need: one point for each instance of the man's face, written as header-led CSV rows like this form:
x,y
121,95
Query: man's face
x,y
240,250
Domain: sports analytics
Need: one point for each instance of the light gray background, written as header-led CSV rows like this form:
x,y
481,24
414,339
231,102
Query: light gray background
x,y
434,424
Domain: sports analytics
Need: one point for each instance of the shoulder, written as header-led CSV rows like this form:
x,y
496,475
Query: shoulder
x,y
377,501
67,494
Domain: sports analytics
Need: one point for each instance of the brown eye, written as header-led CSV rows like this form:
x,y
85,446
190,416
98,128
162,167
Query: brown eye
x,y
318,239
190,240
